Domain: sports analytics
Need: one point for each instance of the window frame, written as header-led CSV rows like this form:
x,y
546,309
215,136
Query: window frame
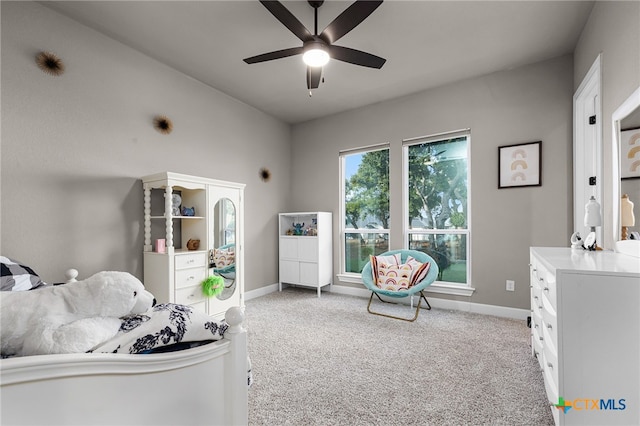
x,y
345,276
463,289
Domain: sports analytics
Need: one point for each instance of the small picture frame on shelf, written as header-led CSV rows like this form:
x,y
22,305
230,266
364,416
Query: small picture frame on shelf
x,y
519,165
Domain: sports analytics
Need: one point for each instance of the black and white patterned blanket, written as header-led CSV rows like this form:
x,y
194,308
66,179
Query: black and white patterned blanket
x,y
164,327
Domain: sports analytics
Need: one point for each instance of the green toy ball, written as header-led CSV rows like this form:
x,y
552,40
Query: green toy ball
x,y
213,285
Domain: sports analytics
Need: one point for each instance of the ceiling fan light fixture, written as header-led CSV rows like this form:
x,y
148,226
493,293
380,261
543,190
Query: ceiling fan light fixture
x,y
316,55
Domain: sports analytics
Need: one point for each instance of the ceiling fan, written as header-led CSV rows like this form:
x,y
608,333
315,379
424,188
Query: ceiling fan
x,y
316,48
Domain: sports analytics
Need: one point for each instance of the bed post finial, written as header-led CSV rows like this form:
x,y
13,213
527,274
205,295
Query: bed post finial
x,y
71,275
234,317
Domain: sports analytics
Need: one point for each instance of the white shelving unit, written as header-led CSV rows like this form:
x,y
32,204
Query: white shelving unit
x,y
176,275
305,255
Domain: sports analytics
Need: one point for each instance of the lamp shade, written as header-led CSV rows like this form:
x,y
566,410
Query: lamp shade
x,y
592,216
627,217
315,54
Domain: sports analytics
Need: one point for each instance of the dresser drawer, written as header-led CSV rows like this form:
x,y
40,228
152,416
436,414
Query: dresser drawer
x,y
191,260
536,305
550,385
538,346
547,282
200,306
550,369
190,295
550,325
189,277
536,290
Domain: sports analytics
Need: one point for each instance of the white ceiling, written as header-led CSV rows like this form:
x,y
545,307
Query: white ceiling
x,y
426,44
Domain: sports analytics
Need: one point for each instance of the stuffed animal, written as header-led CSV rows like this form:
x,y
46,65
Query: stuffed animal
x,y
69,318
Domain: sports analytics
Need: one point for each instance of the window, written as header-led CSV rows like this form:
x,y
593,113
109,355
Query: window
x,y
436,185
365,206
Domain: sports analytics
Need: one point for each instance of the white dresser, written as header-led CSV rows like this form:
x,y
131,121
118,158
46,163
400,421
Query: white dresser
x,y
585,333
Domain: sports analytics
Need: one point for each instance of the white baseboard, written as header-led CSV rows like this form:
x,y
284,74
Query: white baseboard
x,y
262,291
478,308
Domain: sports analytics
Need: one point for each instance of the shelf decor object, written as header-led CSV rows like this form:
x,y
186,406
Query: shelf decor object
x,y
627,218
519,165
592,218
50,63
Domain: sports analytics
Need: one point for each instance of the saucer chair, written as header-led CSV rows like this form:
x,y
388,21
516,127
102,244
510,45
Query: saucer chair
x,y
432,274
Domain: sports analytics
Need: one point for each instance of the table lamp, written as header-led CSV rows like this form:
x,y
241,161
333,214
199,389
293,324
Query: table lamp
x,y
627,218
592,218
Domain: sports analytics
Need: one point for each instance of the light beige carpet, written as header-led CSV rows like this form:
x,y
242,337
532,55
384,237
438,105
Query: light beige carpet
x,y
328,362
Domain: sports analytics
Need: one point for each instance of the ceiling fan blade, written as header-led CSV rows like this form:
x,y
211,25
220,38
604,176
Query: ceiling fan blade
x,y
349,19
283,15
313,77
356,57
274,55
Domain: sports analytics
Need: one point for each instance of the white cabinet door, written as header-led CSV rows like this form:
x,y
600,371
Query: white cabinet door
x,y
308,249
309,273
289,271
288,248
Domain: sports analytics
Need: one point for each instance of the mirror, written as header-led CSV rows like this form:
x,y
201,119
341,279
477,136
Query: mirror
x,y
625,154
222,258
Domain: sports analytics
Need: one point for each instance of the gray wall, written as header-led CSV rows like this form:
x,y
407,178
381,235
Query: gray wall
x,y
75,146
522,105
613,30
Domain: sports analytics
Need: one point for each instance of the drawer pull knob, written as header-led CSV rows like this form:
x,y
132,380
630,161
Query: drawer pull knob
x,y
541,339
535,326
550,365
546,289
549,326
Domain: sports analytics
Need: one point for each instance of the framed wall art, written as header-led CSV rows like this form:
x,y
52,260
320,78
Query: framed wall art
x,y
520,165
630,154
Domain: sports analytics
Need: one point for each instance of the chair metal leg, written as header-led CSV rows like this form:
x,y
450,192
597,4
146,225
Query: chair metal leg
x,y
422,296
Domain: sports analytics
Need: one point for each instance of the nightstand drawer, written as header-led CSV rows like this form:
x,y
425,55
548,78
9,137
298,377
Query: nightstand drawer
x,y
189,277
191,260
190,295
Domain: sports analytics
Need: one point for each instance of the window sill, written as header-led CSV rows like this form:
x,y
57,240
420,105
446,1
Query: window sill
x,y
437,287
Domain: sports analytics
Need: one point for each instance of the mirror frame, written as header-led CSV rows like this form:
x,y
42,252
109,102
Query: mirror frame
x,y
627,107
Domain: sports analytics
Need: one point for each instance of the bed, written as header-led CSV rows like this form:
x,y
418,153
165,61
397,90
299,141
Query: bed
x,y
206,384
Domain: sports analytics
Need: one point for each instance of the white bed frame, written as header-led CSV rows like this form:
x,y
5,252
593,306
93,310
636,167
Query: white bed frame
x,y
204,385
